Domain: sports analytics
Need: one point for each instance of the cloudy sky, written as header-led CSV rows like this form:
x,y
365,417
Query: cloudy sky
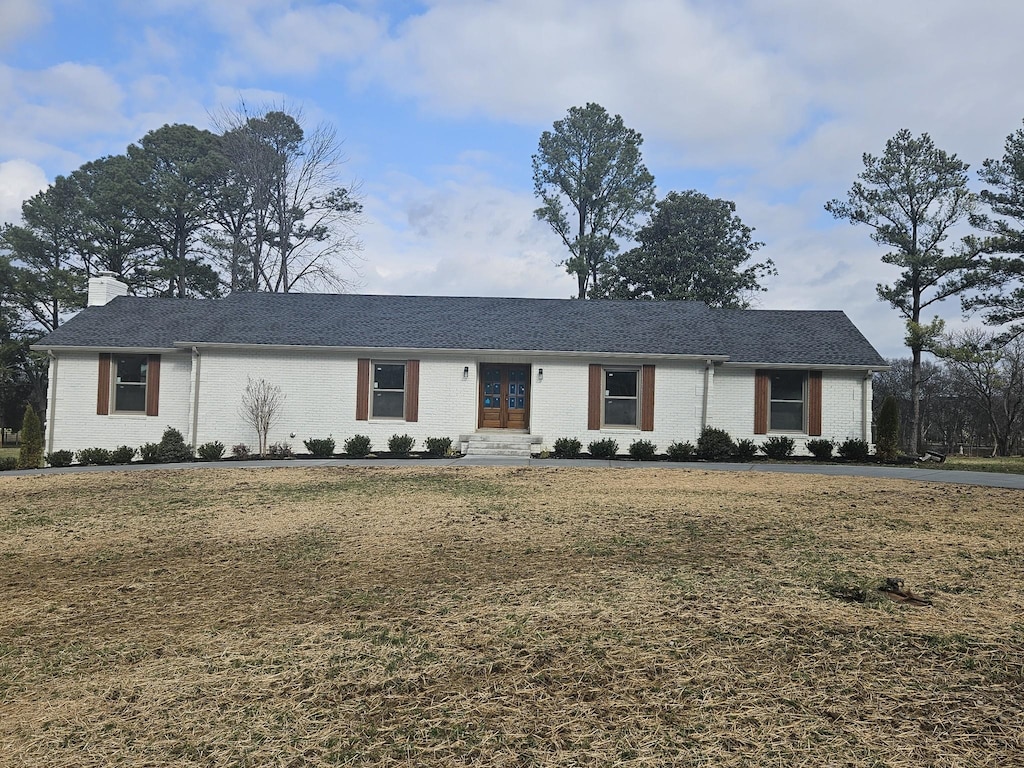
x,y
769,103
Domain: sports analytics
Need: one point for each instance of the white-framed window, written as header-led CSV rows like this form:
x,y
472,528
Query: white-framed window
x,y
388,383
621,402
787,401
130,376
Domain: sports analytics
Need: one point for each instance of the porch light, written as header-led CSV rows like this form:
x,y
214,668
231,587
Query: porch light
x,y
540,374
465,372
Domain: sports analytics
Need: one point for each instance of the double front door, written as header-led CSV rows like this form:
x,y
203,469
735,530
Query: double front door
x,y
504,396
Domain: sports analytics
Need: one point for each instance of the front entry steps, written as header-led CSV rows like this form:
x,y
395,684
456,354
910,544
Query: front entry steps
x,y
500,443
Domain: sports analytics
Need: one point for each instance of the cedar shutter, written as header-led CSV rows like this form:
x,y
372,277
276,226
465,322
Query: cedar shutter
x,y
814,403
594,395
412,390
103,386
647,400
762,387
153,385
363,389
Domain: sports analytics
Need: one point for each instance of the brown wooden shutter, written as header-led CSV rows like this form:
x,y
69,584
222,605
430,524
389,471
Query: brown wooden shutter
x,y
363,389
103,386
153,385
762,387
647,400
412,390
594,396
814,403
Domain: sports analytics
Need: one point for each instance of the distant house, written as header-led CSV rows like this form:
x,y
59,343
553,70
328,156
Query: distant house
x,y
491,373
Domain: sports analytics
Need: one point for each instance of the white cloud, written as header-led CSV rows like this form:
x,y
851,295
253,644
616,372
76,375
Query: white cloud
x,y
19,180
20,16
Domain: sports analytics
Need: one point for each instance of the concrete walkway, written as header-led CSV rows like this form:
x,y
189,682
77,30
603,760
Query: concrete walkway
x,y
923,472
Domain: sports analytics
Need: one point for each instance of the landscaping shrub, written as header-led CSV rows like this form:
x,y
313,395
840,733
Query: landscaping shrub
x,y
241,451
567,448
401,444
60,458
887,447
213,451
684,451
173,448
854,450
746,450
358,446
123,454
604,449
778,447
150,453
94,456
438,446
821,449
643,450
31,454
8,463
715,445
280,451
321,448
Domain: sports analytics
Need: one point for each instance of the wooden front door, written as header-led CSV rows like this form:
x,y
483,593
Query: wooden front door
x,y
504,396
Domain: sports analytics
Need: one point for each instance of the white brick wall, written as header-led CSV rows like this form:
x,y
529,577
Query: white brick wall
x,y
320,391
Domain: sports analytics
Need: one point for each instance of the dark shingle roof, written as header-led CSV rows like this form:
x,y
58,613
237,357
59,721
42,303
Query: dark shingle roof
x,y
435,322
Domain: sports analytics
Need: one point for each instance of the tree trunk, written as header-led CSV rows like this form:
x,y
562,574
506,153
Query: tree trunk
x,y
915,402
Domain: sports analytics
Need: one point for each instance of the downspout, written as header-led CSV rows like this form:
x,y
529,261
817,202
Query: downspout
x,y
195,397
51,400
865,407
709,377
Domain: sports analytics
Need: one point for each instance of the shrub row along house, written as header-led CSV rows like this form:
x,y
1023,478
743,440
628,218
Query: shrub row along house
x,y
491,373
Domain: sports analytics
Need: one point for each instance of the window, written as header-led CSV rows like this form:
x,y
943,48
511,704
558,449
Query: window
x,y
787,401
128,384
130,372
621,397
388,390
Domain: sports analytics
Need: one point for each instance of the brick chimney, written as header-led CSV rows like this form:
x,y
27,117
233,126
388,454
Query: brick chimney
x,y
104,288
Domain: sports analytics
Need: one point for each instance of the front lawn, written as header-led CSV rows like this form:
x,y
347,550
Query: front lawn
x,y
301,616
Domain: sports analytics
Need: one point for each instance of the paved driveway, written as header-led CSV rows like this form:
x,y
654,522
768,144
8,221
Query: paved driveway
x,y
921,472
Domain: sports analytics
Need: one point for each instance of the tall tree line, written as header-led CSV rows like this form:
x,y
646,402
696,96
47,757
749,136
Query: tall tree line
x,y
259,205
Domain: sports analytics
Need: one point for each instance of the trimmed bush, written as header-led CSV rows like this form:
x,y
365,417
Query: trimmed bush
x,y
778,447
715,445
60,458
887,447
358,446
31,454
438,446
643,450
401,444
173,448
683,451
240,451
94,456
567,448
321,448
854,450
213,451
150,453
123,454
280,451
821,449
745,450
8,463
604,449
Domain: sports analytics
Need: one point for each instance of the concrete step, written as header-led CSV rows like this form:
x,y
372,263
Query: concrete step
x,y
499,444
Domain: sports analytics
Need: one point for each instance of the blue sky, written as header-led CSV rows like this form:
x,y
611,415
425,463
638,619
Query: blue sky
x,y
440,103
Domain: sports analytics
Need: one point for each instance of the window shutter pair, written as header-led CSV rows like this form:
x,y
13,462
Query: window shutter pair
x,y
595,394
152,385
762,394
412,389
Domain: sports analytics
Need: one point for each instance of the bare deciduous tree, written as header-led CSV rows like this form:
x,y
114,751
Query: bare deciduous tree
x,y
261,408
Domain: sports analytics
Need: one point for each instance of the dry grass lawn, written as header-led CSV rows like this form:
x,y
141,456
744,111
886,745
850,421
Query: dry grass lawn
x,y
507,617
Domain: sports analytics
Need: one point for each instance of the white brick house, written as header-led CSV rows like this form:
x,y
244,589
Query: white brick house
x,y
125,368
